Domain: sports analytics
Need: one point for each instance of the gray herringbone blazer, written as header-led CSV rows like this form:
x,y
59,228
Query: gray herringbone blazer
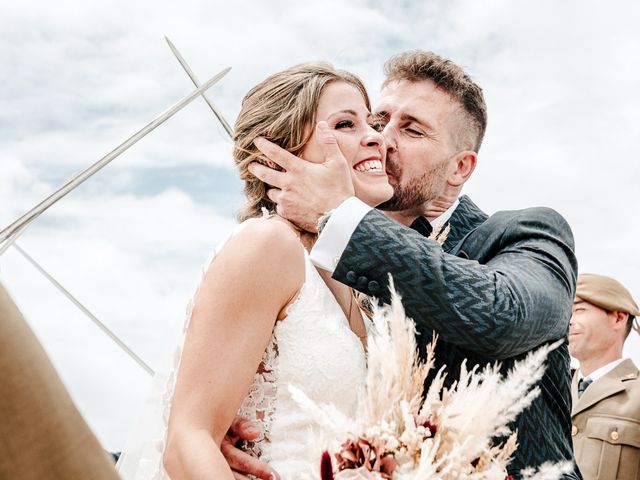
x,y
499,287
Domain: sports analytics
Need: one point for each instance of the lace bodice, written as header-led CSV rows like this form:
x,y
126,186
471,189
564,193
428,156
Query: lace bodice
x,y
312,349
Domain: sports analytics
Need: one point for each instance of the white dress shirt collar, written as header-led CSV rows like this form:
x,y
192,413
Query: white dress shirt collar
x,y
602,371
446,215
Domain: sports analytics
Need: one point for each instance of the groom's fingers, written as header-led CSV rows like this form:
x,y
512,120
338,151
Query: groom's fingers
x,y
274,195
276,154
245,464
268,175
244,428
328,143
240,462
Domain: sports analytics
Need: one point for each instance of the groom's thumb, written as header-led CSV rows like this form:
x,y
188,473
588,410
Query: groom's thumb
x,y
328,143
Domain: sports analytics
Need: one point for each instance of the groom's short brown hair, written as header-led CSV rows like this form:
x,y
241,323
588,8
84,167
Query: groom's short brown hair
x,y
416,65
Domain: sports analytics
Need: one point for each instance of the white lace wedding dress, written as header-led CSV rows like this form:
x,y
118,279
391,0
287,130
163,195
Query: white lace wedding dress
x,y
312,349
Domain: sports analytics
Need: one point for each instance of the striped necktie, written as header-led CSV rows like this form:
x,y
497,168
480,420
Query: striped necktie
x,y
583,383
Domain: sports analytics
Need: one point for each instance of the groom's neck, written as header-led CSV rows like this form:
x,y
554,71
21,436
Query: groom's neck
x,y
405,217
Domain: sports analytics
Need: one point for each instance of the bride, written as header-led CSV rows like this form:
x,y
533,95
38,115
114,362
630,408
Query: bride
x,y
263,317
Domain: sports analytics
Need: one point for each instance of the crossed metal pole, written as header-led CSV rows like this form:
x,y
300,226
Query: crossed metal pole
x,y
195,81
10,234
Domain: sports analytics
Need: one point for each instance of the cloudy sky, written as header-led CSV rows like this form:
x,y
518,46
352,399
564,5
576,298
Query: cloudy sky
x,y
77,78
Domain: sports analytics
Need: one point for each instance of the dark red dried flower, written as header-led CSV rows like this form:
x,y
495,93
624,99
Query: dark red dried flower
x,y
326,469
508,477
431,427
361,452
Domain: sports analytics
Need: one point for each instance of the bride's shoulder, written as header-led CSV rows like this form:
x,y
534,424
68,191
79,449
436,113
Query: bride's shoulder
x,y
268,239
269,229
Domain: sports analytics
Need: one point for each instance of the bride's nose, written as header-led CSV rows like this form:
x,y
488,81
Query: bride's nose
x,y
372,138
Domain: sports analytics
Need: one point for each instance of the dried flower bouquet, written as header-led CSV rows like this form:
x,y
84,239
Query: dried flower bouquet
x,y
402,432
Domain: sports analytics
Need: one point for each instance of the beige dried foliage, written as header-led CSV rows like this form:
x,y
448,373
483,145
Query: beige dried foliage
x,y
509,448
394,369
394,408
547,471
438,234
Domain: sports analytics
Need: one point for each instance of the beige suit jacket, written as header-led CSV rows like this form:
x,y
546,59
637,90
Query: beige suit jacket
x,y
42,435
606,425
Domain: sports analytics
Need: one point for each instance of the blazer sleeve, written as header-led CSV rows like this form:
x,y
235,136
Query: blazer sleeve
x,y
516,297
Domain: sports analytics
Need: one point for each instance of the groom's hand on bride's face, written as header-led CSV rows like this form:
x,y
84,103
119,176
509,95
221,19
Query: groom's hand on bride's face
x,y
305,191
240,462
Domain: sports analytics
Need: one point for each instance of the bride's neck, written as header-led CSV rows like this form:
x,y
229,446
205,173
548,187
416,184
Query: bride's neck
x,y
308,239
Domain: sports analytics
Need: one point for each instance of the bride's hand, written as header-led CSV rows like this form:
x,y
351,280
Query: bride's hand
x,y
241,463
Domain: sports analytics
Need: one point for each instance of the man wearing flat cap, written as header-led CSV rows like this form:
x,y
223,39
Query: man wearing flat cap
x,y
606,388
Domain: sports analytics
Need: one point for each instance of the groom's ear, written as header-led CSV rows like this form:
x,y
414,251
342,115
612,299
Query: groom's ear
x,y
465,164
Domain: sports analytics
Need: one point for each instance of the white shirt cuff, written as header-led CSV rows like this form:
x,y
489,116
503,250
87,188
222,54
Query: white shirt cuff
x,y
337,232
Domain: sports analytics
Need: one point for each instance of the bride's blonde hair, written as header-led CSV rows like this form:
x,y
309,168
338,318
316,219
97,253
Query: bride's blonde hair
x,y
281,109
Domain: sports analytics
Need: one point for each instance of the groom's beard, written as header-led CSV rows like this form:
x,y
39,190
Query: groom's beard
x,y
415,192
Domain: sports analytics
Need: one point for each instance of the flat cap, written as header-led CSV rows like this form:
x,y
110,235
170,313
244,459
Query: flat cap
x,y
607,293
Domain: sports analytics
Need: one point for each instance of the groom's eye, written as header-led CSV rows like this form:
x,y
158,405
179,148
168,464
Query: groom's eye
x,y
413,133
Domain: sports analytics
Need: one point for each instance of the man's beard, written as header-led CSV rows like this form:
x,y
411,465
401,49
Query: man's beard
x,y
418,191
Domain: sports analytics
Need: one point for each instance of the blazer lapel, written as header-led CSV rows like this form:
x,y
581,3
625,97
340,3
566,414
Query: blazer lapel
x,y
610,384
466,217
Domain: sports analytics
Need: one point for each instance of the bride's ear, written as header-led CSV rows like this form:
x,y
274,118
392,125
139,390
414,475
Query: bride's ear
x,y
465,163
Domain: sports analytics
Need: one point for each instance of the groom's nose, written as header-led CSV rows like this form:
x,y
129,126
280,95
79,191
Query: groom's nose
x,y
390,135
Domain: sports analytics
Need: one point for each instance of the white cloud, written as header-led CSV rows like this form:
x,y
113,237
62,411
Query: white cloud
x,y
134,263
80,77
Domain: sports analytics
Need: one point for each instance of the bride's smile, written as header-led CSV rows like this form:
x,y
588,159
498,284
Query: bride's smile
x,y
342,106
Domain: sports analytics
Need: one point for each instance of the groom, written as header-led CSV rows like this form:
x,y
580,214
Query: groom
x,y
498,288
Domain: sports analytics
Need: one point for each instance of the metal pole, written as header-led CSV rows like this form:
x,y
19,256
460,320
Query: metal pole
x,y
86,311
21,223
196,82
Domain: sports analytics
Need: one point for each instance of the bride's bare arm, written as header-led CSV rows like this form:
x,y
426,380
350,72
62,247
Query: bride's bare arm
x,y
258,272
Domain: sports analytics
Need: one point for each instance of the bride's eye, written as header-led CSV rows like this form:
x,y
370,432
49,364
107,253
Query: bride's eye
x,y
344,124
